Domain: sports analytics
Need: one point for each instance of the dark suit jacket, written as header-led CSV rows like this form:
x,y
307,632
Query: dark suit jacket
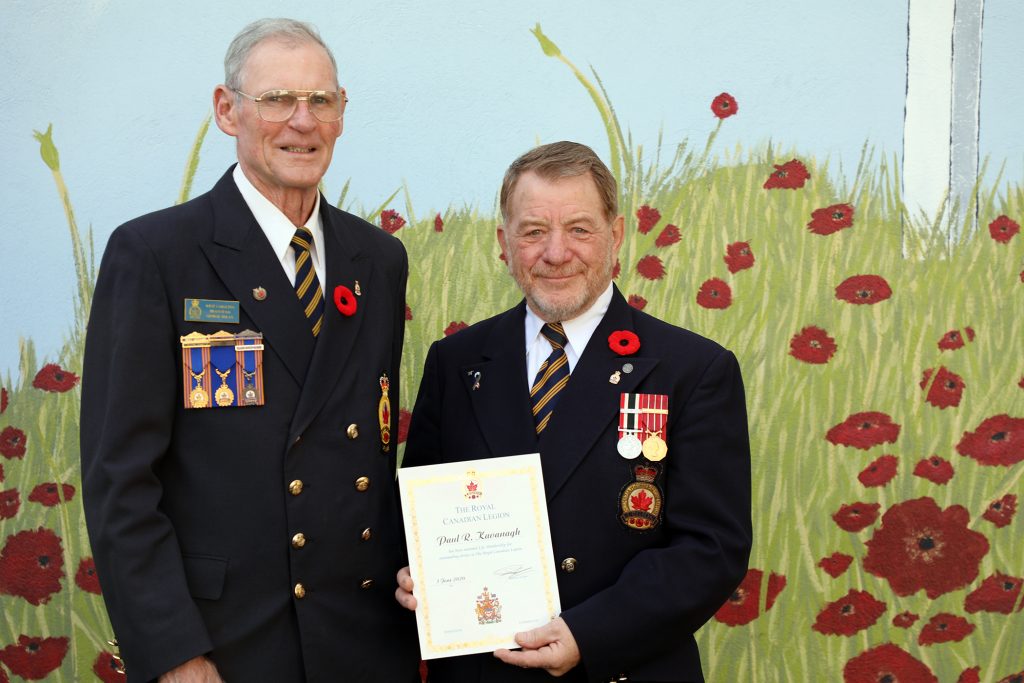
x,y
189,511
634,598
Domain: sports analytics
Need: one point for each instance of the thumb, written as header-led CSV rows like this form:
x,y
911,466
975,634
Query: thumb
x,y
537,638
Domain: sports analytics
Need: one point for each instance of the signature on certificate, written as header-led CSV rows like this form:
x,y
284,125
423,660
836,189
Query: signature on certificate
x,y
514,571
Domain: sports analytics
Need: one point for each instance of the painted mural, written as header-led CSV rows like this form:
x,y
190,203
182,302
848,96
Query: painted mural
x,y
883,354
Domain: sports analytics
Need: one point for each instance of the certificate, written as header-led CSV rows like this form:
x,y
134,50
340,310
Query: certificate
x,y
479,553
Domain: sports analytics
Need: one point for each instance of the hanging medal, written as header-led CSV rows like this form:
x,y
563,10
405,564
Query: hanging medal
x,y
629,445
384,413
653,419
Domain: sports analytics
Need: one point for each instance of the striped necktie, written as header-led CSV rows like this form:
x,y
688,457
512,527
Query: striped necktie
x,y
307,286
552,376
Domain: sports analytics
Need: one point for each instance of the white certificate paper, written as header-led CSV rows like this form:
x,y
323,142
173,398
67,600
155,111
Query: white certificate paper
x,y
479,553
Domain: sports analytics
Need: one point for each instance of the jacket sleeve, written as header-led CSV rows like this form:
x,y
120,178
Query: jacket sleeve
x,y
423,446
669,591
129,395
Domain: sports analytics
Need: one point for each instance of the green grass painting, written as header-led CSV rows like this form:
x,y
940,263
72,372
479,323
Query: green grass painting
x,y
884,365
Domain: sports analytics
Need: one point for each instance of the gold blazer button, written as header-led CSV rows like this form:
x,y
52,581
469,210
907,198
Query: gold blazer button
x,y
299,591
295,488
298,540
352,431
362,483
366,534
569,565
366,583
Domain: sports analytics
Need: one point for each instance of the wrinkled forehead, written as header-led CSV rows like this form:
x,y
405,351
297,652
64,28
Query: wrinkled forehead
x,y
278,57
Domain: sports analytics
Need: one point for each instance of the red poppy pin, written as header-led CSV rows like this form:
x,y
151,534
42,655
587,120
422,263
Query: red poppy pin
x,y
623,342
345,300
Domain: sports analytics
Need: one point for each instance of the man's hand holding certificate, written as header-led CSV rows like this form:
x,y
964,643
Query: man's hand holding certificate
x,y
479,552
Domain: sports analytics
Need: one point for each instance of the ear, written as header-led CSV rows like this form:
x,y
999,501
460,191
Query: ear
x,y
618,233
225,109
501,241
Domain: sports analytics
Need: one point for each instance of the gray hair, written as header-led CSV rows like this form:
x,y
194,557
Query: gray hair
x,y
288,31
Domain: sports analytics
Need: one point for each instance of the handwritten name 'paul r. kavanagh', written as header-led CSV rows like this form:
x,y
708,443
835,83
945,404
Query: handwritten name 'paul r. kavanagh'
x,y
478,536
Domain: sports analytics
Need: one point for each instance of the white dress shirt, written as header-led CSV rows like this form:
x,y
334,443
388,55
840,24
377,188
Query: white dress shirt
x,y
579,330
279,230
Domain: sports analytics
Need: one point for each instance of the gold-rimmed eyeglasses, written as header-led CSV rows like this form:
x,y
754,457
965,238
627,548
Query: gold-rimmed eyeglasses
x,y
275,106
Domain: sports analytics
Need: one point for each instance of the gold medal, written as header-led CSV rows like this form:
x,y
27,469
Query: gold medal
x,y
384,414
223,396
655,448
198,398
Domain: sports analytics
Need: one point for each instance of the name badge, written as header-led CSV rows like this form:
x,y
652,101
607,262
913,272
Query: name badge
x,y
211,311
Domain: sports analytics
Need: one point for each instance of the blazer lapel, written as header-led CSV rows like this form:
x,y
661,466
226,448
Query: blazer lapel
x,y
346,264
499,394
590,401
244,260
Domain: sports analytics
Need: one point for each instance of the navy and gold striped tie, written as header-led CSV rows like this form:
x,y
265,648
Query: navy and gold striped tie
x,y
552,376
307,286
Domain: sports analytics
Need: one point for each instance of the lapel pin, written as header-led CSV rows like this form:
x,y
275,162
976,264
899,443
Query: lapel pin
x,y
359,291
627,368
615,378
476,378
259,293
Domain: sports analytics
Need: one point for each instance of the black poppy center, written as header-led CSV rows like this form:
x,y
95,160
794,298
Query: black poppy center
x,y
737,596
1009,585
953,336
887,678
864,293
43,560
814,344
51,489
838,215
846,609
950,384
724,105
943,626
714,293
744,252
998,436
936,462
997,506
780,174
926,543
866,425
32,647
59,376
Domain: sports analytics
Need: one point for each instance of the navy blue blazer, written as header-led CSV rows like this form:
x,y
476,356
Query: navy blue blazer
x,y
191,512
632,598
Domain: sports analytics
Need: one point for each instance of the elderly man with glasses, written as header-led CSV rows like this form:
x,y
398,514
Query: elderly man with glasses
x,y
241,362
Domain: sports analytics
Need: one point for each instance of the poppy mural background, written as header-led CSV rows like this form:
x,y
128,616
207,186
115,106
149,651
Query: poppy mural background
x,y
853,457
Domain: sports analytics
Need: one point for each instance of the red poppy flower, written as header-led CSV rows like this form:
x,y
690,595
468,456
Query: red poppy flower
x,y
791,175
646,218
669,235
856,516
12,443
53,377
404,418
946,390
742,606
10,503
345,300
953,340
920,546
1003,229
637,301
31,565
831,219
724,106
1021,382
1000,512
851,613
438,223
812,345
86,577
3,400
935,469
650,267
738,256
889,664
623,342
34,658
945,628
47,494
714,293
998,440
880,472
864,430
454,327
863,289
109,668
904,619
836,564
617,269
408,312
971,675
998,593
391,221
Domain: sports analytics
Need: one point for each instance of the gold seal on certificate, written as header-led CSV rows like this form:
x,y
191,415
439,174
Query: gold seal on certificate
x,y
479,553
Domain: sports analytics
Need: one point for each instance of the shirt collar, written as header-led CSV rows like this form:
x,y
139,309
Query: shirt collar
x,y
580,329
275,224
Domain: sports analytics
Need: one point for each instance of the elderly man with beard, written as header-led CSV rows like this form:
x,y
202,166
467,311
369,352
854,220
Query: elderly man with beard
x,y
641,427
